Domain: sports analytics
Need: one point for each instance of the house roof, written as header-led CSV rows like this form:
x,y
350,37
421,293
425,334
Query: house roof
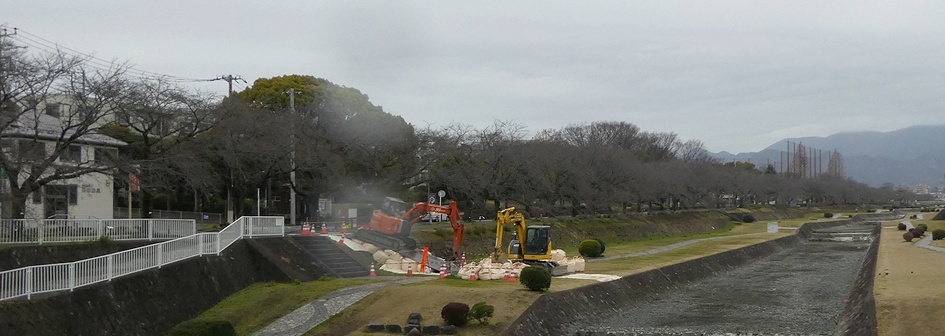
x,y
47,127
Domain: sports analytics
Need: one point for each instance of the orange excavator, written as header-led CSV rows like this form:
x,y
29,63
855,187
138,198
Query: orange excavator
x,y
390,228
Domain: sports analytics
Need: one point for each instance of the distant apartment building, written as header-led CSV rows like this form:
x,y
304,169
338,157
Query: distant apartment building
x,y
33,136
921,189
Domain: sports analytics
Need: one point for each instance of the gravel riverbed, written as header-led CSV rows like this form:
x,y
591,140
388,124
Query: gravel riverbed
x,y
797,291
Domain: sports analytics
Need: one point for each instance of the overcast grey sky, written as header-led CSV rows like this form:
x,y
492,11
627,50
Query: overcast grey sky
x,y
738,75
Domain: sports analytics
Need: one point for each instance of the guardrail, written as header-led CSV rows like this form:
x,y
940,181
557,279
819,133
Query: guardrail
x,y
32,280
40,231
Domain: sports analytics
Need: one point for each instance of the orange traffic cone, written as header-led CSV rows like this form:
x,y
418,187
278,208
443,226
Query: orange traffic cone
x,y
409,269
512,277
472,276
505,275
373,273
324,229
342,240
443,271
305,230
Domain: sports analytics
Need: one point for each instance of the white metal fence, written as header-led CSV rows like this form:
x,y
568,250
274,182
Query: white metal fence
x,y
31,280
39,231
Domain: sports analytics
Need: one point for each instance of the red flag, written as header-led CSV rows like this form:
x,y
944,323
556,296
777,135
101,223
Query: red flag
x,y
134,182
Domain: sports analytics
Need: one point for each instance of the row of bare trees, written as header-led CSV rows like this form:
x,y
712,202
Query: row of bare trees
x,y
191,151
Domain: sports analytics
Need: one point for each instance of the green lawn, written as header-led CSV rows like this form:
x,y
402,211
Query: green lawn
x,y
260,304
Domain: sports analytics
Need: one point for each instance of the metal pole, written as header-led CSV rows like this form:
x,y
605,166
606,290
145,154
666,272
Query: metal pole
x,y
258,201
292,221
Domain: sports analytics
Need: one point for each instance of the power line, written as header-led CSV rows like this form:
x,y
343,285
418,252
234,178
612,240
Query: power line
x,y
48,46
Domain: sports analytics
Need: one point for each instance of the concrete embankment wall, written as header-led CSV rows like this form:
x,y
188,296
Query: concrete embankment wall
x,y
154,301
552,313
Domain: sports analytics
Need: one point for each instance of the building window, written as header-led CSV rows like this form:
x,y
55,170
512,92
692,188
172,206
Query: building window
x,y
38,196
73,194
54,109
72,154
105,155
32,150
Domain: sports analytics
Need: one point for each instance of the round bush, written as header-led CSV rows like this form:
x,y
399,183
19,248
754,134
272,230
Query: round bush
x,y
901,226
828,215
748,219
204,327
590,248
455,313
938,234
922,227
535,278
602,246
907,236
481,312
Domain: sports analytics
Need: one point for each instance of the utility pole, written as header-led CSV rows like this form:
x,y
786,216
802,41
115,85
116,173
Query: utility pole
x,y
291,94
229,190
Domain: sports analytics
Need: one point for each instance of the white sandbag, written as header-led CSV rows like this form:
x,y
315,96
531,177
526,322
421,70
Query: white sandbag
x,y
393,255
557,255
579,264
381,257
409,263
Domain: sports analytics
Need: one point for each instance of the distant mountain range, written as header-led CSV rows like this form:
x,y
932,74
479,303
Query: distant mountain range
x,y
909,156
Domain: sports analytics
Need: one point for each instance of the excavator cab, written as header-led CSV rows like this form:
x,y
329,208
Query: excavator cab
x,y
537,243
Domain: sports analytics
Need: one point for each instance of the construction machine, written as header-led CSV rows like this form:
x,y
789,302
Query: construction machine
x,y
531,244
390,227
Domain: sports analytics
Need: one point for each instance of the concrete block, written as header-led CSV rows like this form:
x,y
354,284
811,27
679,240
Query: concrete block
x,y
411,327
449,330
393,328
375,327
431,330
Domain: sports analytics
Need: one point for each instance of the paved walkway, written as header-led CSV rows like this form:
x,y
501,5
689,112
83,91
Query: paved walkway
x,y
670,247
924,243
311,315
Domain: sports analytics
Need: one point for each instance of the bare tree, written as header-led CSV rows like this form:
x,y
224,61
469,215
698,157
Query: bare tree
x,y
51,103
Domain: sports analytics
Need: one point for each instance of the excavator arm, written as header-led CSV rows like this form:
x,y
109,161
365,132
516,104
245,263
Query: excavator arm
x,y
503,217
451,211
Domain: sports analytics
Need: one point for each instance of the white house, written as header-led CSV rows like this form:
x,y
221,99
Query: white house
x,y
34,136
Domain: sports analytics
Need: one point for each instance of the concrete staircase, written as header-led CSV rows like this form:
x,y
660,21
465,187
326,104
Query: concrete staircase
x,y
334,258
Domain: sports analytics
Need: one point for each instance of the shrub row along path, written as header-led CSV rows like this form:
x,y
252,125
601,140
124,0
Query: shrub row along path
x,y
797,291
312,314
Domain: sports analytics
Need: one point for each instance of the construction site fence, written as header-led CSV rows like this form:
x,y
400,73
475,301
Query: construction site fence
x,y
43,231
32,280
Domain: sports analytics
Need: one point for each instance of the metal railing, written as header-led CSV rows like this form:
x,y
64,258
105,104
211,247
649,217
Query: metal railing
x,y
40,231
32,280
200,217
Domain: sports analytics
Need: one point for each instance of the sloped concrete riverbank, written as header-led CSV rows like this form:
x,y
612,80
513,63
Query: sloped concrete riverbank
x,y
788,286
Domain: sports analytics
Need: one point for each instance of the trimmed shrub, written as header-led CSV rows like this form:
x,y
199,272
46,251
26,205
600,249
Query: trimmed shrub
x,y
535,278
938,234
748,219
907,236
482,312
922,227
602,246
204,327
455,313
828,215
901,226
590,248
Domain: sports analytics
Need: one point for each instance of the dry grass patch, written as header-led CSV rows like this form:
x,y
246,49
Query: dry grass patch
x,y
906,284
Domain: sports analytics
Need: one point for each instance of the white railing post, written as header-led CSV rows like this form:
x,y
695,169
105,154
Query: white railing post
x,y
199,245
219,238
29,283
282,224
250,220
39,230
108,265
71,276
160,254
101,228
150,223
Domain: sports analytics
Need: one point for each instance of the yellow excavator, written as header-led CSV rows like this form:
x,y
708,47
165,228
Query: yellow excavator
x,y
531,244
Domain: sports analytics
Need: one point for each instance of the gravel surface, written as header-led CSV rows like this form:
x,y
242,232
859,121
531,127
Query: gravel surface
x,y
798,291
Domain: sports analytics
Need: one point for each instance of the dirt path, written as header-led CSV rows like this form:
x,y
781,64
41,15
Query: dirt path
x,y
908,288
